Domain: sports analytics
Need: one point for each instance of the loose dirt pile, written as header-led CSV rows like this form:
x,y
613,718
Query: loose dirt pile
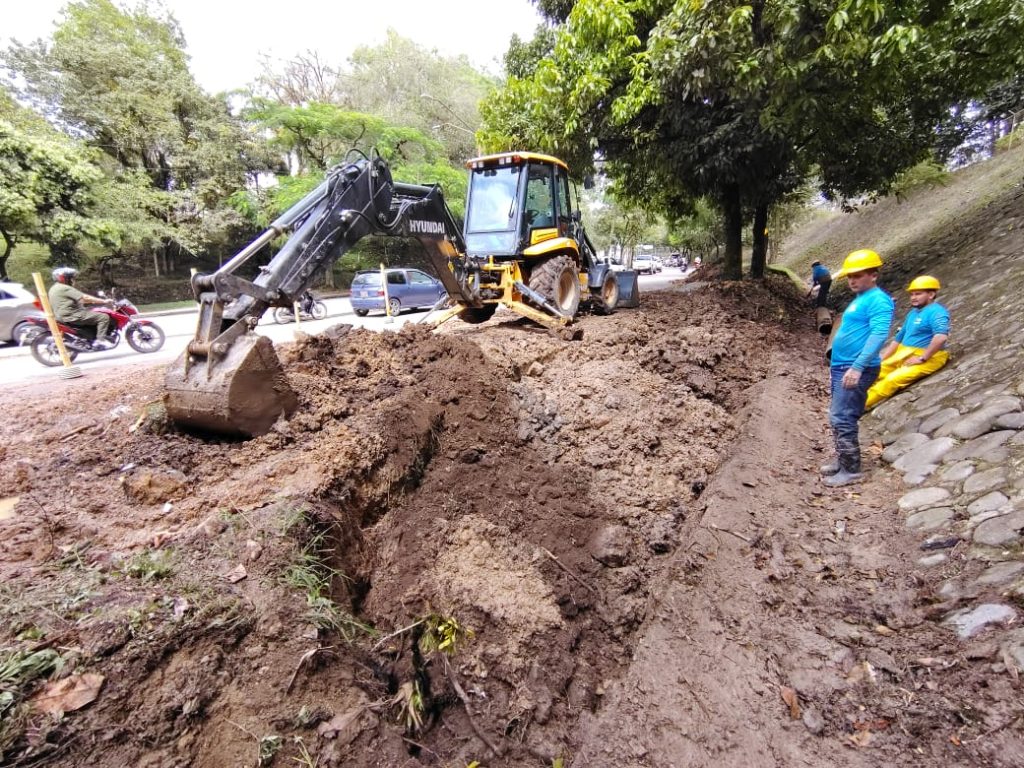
x,y
449,554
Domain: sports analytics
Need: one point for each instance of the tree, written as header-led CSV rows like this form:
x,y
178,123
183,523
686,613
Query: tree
x,y
46,187
740,101
119,81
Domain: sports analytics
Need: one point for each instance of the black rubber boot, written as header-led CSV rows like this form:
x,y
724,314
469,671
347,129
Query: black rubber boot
x,y
848,471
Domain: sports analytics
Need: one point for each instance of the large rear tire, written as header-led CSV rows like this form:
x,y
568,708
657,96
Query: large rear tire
x,y
606,298
558,281
44,350
144,338
477,315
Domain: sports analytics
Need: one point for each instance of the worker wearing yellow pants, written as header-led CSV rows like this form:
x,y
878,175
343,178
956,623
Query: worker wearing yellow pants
x,y
895,374
919,347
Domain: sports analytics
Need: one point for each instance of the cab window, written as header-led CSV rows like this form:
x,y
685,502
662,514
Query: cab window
x,y
564,204
540,211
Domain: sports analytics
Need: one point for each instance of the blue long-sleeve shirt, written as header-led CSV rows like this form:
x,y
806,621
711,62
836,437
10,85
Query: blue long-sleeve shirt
x,y
863,330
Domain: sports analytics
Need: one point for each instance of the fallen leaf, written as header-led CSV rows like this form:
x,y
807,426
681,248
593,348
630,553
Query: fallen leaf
x,y
68,694
861,738
331,728
885,631
7,507
236,574
871,725
792,701
181,606
862,672
954,740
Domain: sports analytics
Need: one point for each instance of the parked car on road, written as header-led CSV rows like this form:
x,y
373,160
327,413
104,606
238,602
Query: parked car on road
x,y
407,289
17,305
644,265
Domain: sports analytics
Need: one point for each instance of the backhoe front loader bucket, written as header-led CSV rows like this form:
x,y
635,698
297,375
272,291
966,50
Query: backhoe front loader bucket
x,y
242,393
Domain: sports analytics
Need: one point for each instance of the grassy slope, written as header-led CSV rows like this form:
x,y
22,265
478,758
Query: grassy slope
x,y
894,229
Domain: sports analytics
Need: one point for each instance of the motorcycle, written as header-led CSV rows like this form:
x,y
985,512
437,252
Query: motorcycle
x,y
308,310
143,336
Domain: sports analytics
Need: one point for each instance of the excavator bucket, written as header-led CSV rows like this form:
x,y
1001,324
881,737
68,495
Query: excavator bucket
x,y
241,394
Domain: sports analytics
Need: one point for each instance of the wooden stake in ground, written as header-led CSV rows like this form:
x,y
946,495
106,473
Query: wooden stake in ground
x,y
70,371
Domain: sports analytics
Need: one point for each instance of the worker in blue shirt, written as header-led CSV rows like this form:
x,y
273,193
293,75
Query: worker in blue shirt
x,y
919,348
855,362
821,277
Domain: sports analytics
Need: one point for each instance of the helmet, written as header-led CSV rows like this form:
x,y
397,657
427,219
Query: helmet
x,y
65,272
858,261
924,283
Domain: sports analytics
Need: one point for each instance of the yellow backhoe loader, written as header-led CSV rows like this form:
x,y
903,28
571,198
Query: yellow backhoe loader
x,y
523,247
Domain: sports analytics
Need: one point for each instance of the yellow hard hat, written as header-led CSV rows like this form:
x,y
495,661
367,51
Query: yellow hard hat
x,y
858,261
924,283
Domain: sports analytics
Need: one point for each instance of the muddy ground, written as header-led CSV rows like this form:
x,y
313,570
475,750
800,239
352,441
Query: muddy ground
x,y
483,545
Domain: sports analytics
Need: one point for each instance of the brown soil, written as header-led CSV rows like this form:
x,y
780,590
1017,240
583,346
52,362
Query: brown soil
x,y
626,530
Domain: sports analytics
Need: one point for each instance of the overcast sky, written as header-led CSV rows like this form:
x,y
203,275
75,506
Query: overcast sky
x,y
226,37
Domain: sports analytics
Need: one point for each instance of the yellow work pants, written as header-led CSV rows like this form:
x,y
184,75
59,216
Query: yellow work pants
x,y
895,376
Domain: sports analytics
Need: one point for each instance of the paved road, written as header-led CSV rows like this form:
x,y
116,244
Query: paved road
x,y
18,367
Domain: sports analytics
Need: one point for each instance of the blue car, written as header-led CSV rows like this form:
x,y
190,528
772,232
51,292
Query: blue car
x,y
407,289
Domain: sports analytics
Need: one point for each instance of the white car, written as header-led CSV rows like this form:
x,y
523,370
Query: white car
x,y
16,306
644,265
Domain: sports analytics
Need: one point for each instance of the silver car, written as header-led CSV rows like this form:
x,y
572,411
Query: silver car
x,y
16,306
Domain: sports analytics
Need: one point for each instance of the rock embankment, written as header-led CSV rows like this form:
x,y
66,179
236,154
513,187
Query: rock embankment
x,y
957,438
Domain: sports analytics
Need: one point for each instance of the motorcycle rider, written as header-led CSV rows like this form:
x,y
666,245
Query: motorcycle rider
x,y
68,305
306,303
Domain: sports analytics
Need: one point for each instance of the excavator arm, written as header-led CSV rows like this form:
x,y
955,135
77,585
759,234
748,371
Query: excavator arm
x,y
229,380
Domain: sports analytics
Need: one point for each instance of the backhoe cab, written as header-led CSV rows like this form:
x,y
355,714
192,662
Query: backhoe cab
x,y
526,247
523,246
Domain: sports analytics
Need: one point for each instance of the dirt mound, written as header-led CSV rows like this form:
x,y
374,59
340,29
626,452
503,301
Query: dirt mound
x,y
464,547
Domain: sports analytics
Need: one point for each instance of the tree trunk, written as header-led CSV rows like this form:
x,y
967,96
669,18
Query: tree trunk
x,y
732,210
8,247
156,262
760,256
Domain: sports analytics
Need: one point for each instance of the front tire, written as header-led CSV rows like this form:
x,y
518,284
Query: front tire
x,y
145,338
23,333
606,298
44,350
319,310
557,280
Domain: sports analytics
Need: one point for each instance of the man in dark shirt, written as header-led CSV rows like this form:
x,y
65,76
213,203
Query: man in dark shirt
x,y
68,304
821,277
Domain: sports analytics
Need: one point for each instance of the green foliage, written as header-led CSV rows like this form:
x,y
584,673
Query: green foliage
x,y
20,667
150,565
46,186
739,101
268,748
443,634
118,81
925,175
310,575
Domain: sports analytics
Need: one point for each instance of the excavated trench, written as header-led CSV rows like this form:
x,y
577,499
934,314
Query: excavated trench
x,y
525,489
